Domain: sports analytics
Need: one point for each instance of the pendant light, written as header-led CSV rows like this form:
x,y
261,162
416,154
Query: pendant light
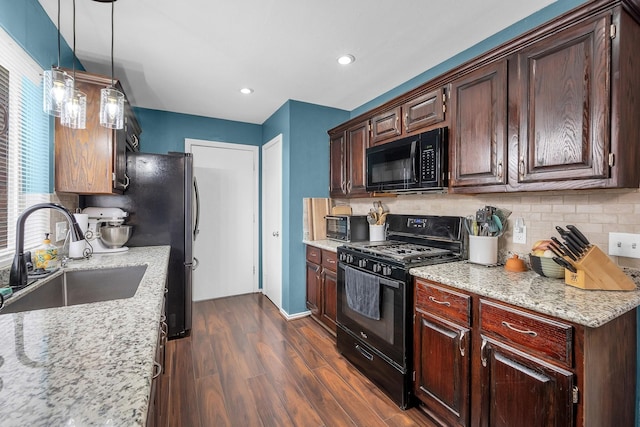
x,y
111,99
57,84
74,109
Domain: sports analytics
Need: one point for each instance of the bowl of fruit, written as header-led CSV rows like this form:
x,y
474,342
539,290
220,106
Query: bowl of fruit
x,y
541,260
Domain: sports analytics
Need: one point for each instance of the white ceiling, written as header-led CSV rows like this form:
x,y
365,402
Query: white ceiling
x,y
193,56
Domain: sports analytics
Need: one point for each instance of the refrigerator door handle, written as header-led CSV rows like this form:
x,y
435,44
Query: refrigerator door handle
x,y
196,227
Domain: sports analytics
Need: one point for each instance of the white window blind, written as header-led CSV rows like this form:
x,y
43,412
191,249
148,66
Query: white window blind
x,y
24,148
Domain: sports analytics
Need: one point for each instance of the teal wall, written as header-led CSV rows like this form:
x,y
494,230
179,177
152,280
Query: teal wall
x,y
163,131
526,24
305,173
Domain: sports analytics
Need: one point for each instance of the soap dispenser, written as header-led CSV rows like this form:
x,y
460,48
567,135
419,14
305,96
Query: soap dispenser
x,y
45,257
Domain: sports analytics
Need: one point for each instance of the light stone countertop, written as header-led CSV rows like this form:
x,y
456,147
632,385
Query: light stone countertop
x,y
534,292
88,364
329,245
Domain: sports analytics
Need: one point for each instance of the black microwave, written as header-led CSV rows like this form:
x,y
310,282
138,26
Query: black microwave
x,y
412,164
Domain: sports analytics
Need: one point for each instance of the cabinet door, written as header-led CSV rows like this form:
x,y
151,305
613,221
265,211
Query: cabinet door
x,y
329,298
385,126
337,161
519,390
561,92
357,144
423,111
478,132
441,363
313,288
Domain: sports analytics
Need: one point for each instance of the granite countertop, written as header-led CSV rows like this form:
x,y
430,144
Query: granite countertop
x,y
534,292
88,364
329,245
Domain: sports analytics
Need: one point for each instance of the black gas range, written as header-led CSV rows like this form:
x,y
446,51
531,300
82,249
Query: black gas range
x,y
375,295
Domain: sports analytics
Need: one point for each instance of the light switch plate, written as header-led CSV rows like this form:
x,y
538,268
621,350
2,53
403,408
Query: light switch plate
x,y
624,244
61,231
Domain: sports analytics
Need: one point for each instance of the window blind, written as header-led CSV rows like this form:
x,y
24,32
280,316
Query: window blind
x,y
25,155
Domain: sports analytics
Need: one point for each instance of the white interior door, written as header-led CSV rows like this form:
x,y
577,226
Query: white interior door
x,y
227,246
272,220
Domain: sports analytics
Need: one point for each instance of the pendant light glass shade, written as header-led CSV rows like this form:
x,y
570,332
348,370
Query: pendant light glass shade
x,y
111,108
74,111
57,88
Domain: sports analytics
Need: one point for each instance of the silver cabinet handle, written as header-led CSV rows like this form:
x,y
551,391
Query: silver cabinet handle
x,y
522,331
127,181
460,343
196,263
157,373
500,169
483,357
445,303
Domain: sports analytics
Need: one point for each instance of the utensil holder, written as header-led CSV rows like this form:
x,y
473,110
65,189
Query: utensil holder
x,y
377,232
483,250
596,271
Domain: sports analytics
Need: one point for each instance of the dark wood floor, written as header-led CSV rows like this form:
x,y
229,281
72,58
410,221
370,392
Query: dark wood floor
x,y
244,365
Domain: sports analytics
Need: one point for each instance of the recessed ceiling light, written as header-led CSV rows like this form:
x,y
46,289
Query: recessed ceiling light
x,y
346,59
246,90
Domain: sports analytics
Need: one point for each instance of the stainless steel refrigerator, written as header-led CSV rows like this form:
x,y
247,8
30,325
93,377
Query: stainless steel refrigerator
x,y
162,202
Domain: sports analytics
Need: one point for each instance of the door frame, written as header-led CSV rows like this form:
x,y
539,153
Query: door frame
x,y
274,141
190,142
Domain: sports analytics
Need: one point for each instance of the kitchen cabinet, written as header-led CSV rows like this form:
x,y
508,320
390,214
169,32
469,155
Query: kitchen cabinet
x,y
478,134
348,161
560,98
93,160
442,359
413,116
322,286
480,362
158,398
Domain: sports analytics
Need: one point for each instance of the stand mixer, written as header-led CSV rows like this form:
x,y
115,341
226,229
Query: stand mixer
x,y
103,220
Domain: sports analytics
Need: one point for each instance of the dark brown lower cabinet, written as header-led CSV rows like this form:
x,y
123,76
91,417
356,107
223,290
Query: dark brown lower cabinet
x,y
485,363
443,369
322,286
519,390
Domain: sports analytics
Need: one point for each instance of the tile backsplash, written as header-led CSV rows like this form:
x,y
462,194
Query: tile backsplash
x,y
595,212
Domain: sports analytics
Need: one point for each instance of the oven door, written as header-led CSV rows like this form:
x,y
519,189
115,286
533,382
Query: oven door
x,y
387,334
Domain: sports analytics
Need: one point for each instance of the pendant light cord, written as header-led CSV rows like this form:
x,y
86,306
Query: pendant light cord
x,y
73,60
112,9
58,33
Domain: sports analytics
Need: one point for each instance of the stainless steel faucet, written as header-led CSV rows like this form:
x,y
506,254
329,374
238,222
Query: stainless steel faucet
x,y
18,273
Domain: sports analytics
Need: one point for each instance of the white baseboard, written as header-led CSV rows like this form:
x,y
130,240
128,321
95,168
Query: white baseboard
x,y
295,315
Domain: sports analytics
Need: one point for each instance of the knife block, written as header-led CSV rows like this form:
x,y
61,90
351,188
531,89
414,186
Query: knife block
x,y
596,271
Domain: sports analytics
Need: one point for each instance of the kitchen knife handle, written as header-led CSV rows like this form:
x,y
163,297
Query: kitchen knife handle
x,y
578,234
564,249
564,263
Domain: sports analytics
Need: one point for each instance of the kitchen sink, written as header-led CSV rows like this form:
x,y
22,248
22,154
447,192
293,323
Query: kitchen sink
x,y
80,287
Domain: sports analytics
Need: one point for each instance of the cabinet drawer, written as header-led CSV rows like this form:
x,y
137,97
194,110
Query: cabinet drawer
x,y
445,303
330,260
314,254
539,335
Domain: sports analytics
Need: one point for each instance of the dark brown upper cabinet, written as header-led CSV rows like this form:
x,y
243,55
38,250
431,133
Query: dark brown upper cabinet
x,y
347,164
414,115
478,134
560,96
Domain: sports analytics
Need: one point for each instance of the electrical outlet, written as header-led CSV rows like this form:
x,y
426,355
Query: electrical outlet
x,y
624,244
519,231
61,231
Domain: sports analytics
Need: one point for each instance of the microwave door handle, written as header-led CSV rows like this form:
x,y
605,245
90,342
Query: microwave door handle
x,y
414,159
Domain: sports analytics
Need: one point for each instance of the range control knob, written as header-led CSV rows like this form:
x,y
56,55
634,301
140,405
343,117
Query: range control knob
x,y
386,271
377,268
349,259
362,263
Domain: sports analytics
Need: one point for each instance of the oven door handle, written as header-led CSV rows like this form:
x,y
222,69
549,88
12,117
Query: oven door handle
x,y
365,353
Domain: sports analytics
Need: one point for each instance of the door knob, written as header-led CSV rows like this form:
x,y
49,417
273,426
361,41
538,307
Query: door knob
x,y
275,234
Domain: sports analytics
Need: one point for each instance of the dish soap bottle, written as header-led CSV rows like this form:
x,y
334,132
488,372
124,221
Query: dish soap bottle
x,y
46,256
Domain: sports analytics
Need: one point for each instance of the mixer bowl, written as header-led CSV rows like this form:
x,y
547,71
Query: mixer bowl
x,y
114,236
